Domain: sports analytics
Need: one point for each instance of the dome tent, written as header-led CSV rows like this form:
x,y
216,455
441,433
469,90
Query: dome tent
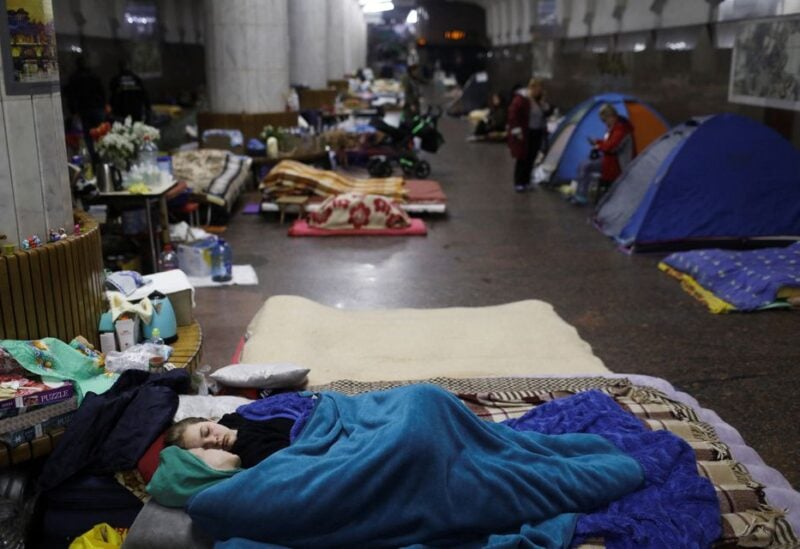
x,y
569,144
719,177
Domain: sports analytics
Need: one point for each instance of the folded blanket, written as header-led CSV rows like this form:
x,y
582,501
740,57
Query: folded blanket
x,y
414,465
730,280
358,211
294,178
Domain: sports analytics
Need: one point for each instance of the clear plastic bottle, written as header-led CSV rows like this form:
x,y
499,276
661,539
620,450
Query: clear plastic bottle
x,y
148,153
222,262
155,337
168,259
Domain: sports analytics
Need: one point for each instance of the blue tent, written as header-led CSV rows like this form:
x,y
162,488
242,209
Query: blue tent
x,y
570,142
719,177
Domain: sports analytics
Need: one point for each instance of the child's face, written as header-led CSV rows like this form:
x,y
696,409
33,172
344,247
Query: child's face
x,y
208,434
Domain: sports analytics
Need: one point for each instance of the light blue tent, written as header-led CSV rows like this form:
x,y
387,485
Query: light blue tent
x,y
720,177
570,142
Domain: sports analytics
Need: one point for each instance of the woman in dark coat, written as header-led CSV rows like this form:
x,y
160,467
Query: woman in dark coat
x,y
527,129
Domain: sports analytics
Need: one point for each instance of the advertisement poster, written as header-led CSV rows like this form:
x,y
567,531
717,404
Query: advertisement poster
x,y
30,62
765,69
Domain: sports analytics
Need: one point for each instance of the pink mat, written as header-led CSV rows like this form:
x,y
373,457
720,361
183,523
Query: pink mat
x,y
301,228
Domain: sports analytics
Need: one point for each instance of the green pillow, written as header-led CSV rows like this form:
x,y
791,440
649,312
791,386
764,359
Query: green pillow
x,y
180,475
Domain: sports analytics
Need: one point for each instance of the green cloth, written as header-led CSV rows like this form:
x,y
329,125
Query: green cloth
x,y
52,358
180,475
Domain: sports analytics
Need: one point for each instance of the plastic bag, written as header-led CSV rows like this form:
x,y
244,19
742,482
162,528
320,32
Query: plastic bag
x,y
101,536
136,357
202,382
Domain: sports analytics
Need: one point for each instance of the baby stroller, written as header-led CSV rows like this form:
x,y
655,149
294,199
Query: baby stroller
x,y
400,146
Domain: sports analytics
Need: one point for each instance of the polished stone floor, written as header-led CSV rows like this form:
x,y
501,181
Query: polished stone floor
x,y
496,246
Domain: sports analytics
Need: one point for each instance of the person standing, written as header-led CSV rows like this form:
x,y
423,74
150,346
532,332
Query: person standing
x,y
609,155
86,99
527,129
129,96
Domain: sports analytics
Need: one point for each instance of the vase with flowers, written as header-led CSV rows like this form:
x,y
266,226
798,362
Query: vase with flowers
x,y
119,143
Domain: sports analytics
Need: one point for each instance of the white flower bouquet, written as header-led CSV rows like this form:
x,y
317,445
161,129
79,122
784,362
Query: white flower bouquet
x,y
119,143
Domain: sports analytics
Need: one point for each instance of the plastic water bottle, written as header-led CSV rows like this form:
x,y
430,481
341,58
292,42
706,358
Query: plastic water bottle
x,y
168,259
222,262
148,154
155,337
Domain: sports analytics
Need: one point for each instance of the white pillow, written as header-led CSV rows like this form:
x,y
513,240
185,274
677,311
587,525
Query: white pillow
x,y
261,376
211,407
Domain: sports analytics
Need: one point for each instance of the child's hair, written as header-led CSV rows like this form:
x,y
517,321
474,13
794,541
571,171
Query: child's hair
x,y
174,435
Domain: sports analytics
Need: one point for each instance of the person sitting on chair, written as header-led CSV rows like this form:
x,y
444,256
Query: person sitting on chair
x,y
609,154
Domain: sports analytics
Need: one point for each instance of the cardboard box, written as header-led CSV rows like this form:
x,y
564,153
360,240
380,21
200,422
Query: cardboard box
x,y
195,258
176,286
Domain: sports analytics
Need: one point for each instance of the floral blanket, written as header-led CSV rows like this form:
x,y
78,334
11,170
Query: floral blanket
x,y
358,211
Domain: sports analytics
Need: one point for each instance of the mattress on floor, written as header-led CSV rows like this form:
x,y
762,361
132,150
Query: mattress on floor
x,y
752,496
424,196
522,338
738,280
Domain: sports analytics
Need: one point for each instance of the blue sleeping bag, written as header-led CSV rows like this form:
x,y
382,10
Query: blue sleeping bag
x,y
413,465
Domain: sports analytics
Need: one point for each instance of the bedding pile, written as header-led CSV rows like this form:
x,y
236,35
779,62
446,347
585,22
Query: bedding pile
x,y
357,214
220,175
294,178
738,281
358,211
748,519
432,481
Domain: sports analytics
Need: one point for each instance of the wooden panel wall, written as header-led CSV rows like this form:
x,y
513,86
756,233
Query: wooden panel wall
x,y
339,85
317,99
251,125
55,290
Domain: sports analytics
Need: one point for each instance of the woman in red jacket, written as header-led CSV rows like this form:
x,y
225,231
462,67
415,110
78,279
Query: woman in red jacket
x,y
615,151
527,128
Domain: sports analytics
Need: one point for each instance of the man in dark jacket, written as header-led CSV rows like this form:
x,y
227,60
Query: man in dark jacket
x,y
129,96
86,99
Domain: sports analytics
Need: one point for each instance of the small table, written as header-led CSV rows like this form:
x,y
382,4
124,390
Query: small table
x,y
158,195
285,201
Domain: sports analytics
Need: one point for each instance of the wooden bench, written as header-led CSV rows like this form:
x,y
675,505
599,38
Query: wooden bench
x,y
188,350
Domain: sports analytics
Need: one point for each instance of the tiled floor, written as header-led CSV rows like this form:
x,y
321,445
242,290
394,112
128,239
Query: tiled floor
x,y
496,246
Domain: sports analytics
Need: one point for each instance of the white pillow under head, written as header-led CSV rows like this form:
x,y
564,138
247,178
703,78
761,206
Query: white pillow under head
x,y
210,407
261,376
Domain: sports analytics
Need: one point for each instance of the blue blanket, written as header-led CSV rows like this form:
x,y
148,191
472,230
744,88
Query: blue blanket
x,y
747,280
414,466
675,507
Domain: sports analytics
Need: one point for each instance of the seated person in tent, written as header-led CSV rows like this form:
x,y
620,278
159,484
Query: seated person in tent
x,y
495,121
609,154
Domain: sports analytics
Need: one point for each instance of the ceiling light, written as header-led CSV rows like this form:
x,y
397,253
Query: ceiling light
x,y
412,18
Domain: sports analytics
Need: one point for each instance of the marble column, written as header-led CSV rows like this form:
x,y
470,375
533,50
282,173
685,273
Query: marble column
x,y
247,55
308,43
336,39
34,183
